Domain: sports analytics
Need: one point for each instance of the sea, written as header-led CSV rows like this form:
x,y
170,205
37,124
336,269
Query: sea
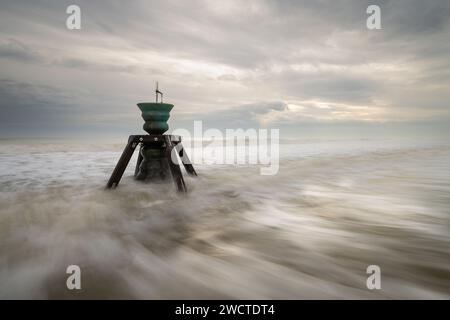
x,y
310,231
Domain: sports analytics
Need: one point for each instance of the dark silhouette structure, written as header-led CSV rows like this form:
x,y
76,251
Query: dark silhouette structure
x,y
158,154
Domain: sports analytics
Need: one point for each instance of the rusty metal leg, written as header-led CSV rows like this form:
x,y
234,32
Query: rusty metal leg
x,y
174,166
122,164
185,160
138,163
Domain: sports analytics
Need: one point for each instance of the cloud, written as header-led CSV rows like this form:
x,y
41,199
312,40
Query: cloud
x,y
16,50
28,108
33,110
233,62
241,116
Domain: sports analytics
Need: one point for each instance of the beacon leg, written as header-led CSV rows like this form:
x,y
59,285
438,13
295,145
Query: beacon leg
x,y
138,163
185,160
174,167
122,164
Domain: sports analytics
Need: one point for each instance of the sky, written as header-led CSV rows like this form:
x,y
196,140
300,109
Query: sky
x,y
305,67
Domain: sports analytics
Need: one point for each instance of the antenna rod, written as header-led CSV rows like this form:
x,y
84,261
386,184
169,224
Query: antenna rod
x,y
157,91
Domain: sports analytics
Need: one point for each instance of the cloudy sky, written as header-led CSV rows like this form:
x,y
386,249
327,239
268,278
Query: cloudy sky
x,y
279,64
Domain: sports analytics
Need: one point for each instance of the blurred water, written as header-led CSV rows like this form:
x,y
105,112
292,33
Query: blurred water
x,y
310,231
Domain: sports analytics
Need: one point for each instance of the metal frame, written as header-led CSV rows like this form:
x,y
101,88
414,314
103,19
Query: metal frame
x,y
172,142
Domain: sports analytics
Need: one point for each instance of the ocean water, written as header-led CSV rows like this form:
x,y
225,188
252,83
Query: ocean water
x,y
310,231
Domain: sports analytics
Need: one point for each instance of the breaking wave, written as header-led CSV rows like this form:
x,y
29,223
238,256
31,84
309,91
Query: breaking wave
x,y
308,232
